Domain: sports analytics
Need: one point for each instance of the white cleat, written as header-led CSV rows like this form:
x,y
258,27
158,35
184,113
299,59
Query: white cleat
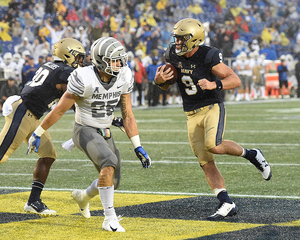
x,y
261,164
38,207
113,225
83,205
224,210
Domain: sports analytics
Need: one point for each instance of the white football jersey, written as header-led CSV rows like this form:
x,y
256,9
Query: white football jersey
x,y
98,99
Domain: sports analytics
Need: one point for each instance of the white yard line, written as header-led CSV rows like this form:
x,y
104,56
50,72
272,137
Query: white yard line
x,y
165,193
164,161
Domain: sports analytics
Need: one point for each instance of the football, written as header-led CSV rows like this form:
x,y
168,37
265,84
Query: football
x,y
175,75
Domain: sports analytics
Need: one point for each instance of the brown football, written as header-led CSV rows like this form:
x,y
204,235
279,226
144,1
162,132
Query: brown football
x,y
175,75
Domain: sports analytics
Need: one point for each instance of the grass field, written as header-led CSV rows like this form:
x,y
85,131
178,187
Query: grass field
x,y
271,125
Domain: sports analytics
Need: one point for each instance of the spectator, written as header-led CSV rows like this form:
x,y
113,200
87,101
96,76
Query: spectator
x,y
283,74
139,77
255,46
4,31
56,33
153,90
60,8
19,66
27,33
28,20
38,11
195,9
7,90
16,29
297,73
8,66
29,70
25,45
284,41
165,37
41,60
82,36
49,6
243,66
49,58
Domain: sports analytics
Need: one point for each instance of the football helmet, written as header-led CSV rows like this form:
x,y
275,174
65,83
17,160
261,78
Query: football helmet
x,y
70,51
105,52
16,57
193,33
7,57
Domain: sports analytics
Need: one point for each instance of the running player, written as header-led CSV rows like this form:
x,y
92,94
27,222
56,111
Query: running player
x,y
96,90
22,114
201,76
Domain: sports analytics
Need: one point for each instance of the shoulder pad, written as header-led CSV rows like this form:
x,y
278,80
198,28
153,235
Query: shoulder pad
x,y
210,54
167,54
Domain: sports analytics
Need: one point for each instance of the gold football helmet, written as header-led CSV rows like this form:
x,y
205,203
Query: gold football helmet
x,y
193,33
70,51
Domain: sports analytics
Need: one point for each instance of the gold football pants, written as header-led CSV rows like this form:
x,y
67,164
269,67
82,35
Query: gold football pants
x,y
206,128
19,126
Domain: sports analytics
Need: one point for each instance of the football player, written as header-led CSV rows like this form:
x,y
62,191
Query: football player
x,y
23,113
96,90
201,76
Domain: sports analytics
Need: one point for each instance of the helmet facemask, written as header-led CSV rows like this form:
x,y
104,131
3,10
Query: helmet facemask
x,y
78,58
111,64
184,46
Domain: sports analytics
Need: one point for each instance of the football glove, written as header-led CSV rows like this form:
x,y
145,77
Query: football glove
x,y
118,122
33,143
143,156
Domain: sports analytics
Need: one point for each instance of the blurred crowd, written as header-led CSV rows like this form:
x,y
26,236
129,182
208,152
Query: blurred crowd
x,y
250,33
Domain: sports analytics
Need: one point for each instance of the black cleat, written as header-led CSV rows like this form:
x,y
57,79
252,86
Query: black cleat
x,y
38,207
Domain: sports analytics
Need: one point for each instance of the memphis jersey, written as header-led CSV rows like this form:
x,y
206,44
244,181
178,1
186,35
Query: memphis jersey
x,y
192,69
98,99
39,94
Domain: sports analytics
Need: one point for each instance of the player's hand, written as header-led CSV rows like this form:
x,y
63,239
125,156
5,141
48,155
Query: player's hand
x,y
143,156
33,143
204,84
118,122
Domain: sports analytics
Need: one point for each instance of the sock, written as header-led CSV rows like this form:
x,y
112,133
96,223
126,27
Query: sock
x,y
223,197
36,190
107,200
248,154
92,190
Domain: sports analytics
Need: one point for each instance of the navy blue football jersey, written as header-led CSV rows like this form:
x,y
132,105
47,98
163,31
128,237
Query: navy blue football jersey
x,y
39,94
192,69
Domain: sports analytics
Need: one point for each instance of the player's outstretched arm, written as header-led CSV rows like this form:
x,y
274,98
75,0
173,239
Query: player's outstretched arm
x,y
64,104
132,130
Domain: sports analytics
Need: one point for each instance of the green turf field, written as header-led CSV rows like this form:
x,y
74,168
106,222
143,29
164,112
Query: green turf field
x,y
271,125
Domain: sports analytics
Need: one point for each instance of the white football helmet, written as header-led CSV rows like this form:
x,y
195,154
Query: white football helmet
x,y
17,57
7,57
105,52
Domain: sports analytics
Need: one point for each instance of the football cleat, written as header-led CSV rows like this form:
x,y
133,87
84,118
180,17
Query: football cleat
x,y
224,210
261,164
83,205
113,225
38,207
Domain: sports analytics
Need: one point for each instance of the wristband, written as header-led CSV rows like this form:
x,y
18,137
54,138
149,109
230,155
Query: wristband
x,y
219,85
135,140
39,131
160,85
